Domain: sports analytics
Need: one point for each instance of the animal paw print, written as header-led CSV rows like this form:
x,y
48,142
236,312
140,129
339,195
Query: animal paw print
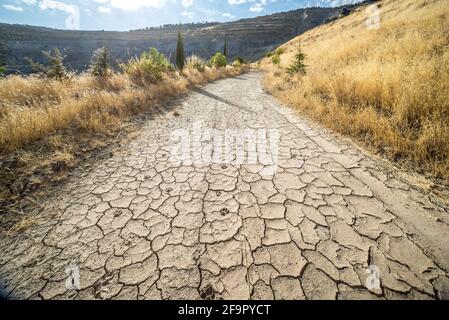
x,y
224,211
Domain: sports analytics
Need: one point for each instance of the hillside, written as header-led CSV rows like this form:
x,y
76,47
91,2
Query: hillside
x,y
249,38
385,87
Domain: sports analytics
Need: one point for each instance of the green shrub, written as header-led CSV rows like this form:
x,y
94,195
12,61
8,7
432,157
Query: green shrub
x,y
149,68
195,62
269,54
236,63
240,60
276,59
279,51
54,69
2,71
100,66
218,60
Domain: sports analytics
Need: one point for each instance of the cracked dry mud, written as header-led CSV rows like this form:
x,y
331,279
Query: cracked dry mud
x,y
139,226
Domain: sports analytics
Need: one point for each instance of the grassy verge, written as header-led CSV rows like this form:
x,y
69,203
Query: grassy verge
x,y
48,126
388,88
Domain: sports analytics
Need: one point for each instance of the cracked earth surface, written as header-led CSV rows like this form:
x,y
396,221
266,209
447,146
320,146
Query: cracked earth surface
x,y
139,226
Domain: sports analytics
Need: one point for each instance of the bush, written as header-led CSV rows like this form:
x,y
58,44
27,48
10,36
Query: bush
x,y
298,65
218,60
149,68
55,68
236,63
269,54
195,62
240,60
276,59
99,66
2,71
279,51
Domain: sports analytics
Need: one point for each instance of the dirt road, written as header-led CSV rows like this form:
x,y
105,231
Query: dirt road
x,y
318,219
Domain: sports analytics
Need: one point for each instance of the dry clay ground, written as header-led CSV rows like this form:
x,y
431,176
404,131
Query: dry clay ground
x,y
141,226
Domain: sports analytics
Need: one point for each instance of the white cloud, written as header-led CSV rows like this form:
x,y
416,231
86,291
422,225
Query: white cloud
x,y
131,5
56,5
12,8
234,2
188,14
257,7
228,15
29,2
186,3
104,9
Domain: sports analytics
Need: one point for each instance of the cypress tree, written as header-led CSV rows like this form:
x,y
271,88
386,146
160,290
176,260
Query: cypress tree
x,y
3,57
180,58
225,48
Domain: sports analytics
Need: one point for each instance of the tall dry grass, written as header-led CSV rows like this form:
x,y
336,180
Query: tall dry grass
x,y
32,107
388,88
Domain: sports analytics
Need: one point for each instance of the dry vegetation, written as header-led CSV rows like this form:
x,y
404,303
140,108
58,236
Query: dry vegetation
x,y
387,88
47,126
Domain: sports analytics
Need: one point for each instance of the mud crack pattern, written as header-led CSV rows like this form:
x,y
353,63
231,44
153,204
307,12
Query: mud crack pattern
x,y
140,227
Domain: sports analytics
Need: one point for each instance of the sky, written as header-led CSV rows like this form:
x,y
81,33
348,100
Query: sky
x,y
123,15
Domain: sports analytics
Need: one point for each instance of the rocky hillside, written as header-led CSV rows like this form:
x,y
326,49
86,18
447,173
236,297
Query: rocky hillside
x,y
248,38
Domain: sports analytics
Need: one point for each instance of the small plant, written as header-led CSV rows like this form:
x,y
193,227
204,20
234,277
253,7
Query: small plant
x,y
180,57
218,60
298,66
55,68
100,65
279,51
149,68
240,60
195,62
276,59
269,54
2,71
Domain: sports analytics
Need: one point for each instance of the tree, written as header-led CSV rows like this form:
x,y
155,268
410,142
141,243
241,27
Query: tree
x,y
298,66
55,68
100,65
180,58
3,58
225,48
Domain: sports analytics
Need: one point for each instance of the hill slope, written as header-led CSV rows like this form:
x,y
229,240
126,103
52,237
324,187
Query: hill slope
x,y
249,38
386,87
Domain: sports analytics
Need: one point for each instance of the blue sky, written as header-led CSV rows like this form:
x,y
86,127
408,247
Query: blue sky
x,y
133,14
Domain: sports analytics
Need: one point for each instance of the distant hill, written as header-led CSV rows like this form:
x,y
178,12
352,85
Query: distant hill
x,y
248,38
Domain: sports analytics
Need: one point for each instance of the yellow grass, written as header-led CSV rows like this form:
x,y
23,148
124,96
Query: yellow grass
x,y
31,108
388,88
